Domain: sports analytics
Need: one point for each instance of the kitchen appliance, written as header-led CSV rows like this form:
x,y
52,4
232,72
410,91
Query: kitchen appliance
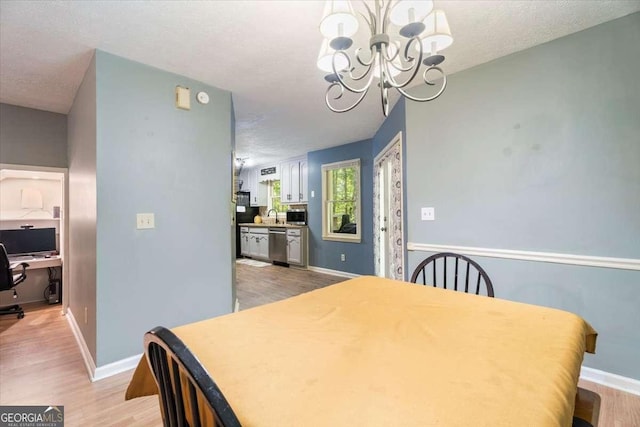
x,y
278,244
244,214
243,198
297,216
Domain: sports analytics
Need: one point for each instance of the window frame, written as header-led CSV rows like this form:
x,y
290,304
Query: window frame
x,y
282,214
327,232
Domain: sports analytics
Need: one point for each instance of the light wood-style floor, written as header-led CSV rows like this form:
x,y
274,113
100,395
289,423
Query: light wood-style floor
x,y
40,363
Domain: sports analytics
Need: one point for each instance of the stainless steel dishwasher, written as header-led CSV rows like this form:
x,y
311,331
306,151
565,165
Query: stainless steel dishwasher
x,y
278,244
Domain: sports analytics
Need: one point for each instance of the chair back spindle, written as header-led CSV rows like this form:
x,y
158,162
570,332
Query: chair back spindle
x,y
482,280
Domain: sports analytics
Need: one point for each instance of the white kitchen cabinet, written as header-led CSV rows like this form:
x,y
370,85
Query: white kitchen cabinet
x,y
297,246
259,242
293,181
304,182
257,188
244,241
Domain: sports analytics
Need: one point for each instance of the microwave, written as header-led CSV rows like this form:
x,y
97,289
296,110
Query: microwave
x,y
297,216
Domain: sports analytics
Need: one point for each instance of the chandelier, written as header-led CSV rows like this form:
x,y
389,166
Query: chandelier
x,y
405,38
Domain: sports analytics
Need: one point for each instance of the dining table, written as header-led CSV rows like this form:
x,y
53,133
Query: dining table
x,y
371,351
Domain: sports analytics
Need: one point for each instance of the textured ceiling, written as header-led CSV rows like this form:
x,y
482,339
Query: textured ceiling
x,y
264,52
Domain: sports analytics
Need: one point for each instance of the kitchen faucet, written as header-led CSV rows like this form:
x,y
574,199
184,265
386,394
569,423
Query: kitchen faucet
x,y
269,211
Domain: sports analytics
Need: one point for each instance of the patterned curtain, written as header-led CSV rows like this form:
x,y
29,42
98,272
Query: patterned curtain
x,y
394,222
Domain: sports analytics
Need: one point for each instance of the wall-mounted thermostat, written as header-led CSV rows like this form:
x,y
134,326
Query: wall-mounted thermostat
x,y
202,97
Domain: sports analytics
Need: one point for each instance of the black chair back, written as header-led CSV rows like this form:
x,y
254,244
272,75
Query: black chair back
x,y
173,365
6,275
459,274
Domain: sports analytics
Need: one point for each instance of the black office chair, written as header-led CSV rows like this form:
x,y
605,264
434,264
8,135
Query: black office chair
x,y
173,365
9,280
432,264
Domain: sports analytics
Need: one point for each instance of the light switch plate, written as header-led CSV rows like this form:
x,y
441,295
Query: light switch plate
x,y
428,214
183,100
145,220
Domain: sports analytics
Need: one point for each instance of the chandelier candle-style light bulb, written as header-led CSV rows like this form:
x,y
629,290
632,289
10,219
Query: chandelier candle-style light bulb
x,y
339,23
409,11
405,38
437,36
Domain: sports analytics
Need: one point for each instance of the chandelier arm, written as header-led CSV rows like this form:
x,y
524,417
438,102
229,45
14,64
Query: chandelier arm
x,y
431,98
372,18
361,76
387,57
343,110
341,80
385,19
343,83
412,40
384,97
415,67
364,63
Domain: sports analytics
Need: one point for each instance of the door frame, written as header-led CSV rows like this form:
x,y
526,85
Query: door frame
x,y
64,223
397,251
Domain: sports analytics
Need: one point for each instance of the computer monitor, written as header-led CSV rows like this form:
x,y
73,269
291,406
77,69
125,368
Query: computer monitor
x,y
29,241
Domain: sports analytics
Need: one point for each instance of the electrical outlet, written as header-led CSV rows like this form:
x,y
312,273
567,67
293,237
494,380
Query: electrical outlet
x,y
343,257
145,220
428,214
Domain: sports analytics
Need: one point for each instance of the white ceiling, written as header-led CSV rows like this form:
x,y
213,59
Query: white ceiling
x,y
264,52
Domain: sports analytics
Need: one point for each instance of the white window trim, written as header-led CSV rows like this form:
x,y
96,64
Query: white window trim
x,y
328,234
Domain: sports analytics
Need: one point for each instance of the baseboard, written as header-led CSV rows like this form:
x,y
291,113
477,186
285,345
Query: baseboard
x,y
333,272
84,350
608,379
117,367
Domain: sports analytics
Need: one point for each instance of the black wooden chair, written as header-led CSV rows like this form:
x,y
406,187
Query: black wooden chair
x,y
9,280
452,271
183,383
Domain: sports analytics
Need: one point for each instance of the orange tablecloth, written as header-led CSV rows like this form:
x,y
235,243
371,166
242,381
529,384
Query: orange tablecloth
x,y
378,352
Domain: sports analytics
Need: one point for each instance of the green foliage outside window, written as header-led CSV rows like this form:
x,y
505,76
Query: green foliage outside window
x,y
342,198
275,197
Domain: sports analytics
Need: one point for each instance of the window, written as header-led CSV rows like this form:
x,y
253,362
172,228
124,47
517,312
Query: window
x,y
274,197
341,201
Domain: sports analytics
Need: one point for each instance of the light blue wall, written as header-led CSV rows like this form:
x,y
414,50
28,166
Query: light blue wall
x,y
32,137
393,124
325,253
81,261
153,157
540,150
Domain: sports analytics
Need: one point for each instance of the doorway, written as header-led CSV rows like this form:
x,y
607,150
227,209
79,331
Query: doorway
x,y
388,211
35,197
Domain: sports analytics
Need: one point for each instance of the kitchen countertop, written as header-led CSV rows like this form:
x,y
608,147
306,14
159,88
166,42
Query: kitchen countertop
x,y
263,225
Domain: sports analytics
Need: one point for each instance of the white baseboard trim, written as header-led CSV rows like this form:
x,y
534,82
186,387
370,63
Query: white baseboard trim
x,y
584,260
608,379
333,272
98,373
84,350
117,367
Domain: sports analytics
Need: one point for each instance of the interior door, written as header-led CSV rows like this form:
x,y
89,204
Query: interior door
x,y
389,211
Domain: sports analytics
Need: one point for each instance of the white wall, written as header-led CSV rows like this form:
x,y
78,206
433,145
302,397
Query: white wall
x,y
11,195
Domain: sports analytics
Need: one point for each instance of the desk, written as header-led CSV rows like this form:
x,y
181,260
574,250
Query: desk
x,y
379,352
37,262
